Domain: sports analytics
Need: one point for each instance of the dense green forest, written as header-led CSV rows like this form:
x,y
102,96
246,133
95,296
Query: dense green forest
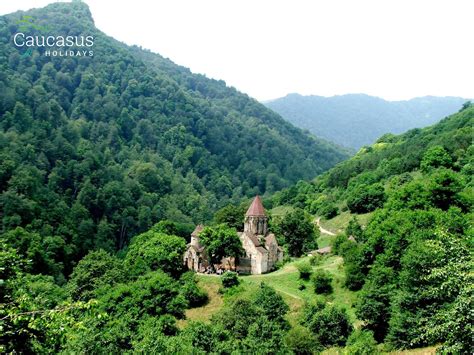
x,y
94,150
412,262
356,120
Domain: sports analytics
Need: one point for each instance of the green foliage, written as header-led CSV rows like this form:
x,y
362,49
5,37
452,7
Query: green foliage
x,y
339,243
96,270
301,341
232,216
182,230
411,260
45,253
221,241
366,198
272,304
362,343
329,324
154,294
191,292
322,282
152,251
229,279
305,270
435,157
328,211
354,229
297,232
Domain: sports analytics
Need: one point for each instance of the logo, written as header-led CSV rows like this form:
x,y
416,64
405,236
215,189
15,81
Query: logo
x,y
27,39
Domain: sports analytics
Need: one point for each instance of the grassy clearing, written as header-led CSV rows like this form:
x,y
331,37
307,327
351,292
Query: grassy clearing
x,y
325,240
211,285
286,281
340,222
281,210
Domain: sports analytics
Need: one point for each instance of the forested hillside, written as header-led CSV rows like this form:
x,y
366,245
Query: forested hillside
x,y
95,149
412,262
356,120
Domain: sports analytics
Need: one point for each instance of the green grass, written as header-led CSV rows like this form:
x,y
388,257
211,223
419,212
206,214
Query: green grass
x,y
339,223
325,240
281,210
285,281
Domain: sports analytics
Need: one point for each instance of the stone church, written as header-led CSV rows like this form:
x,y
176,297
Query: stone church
x,y
260,245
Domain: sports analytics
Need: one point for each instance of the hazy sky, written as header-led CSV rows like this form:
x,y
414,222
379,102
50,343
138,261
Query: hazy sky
x,y
395,49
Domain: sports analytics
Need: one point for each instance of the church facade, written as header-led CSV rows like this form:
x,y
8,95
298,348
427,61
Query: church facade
x,y
262,251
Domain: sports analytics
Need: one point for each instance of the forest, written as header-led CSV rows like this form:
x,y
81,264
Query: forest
x,y
108,162
411,265
95,150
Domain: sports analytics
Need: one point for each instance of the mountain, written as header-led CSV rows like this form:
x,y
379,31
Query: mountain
x,y
356,120
412,260
99,140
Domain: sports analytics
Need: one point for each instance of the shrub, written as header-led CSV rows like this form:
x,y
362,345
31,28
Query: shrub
x,y
329,211
191,292
301,341
230,279
315,260
305,270
337,243
322,282
330,325
362,342
366,198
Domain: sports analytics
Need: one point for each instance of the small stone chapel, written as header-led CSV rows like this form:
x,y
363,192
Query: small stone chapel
x,y
261,247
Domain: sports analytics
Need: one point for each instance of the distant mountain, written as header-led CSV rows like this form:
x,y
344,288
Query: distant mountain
x,y
356,120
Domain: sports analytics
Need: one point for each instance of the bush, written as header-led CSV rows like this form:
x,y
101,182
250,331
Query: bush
x,y
301,341
322,282
366,198
330,325
191,292
315,260
337,243
301,286
329,211
305,270
362,342
230,279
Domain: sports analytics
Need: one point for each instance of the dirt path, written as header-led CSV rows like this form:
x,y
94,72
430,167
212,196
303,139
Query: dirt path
x,y
322,230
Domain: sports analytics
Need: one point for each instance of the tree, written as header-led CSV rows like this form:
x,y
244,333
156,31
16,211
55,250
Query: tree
x,y
97,269
152,251
229,279
366,198
354,229
221,241
329,324
362,342
435,157
231,215
301,341
190,290
322,282
272,304
298,232
305,270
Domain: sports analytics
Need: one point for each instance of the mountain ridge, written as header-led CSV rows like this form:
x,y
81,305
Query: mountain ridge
x,y
355,120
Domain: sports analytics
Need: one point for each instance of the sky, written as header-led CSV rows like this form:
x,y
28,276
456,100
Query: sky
x,y
394,49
